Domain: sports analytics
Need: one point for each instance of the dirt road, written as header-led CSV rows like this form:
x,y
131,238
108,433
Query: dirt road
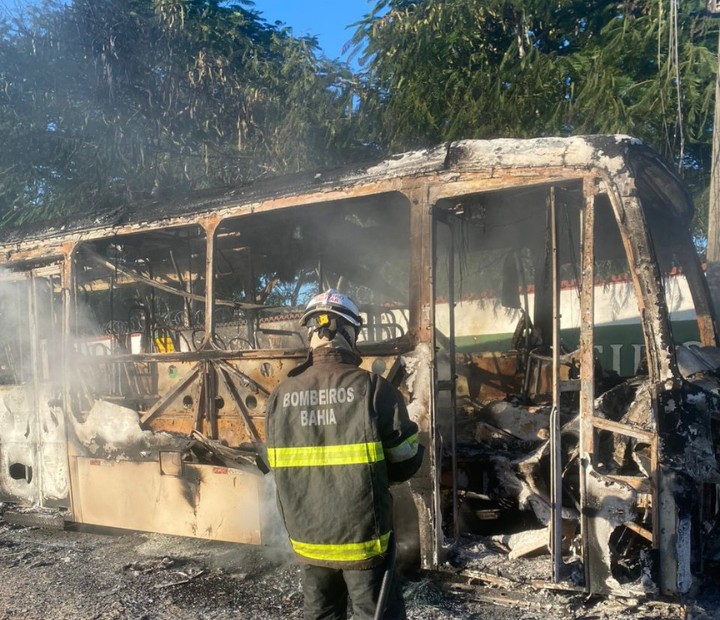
x,y
50,574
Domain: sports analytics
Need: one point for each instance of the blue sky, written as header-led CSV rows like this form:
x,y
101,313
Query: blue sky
x,y
325,20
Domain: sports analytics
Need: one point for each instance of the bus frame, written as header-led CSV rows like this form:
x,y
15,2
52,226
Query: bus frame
x,y
150,428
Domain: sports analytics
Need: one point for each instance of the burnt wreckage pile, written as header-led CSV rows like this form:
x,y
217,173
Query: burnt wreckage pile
x,y
503,461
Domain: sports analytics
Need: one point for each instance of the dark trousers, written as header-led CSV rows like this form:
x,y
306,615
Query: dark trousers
x,y
326,592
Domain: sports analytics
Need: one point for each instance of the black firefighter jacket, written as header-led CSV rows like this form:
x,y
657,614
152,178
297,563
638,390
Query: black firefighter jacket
x,y
337,436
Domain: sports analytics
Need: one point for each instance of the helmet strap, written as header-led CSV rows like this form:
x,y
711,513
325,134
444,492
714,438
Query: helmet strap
x,y
326,327
327,332
350,333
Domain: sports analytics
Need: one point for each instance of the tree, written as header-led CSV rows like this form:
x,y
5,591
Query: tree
x,y
108,101
439,70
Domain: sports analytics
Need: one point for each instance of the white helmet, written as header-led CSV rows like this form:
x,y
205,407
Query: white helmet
x,y
331,302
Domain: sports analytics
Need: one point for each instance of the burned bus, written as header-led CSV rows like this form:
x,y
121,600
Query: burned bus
x,y
499,283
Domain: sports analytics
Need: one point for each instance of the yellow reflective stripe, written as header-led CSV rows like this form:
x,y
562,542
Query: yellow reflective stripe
x,y
406,450
319,456
349,552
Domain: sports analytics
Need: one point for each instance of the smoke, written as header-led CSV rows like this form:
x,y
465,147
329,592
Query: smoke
x,y
114,431
274,533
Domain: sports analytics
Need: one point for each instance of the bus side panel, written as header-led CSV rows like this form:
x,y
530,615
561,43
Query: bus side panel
x,y
33,449
169,497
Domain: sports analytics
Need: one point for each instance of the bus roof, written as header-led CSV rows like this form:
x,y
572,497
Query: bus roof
x,y
625,159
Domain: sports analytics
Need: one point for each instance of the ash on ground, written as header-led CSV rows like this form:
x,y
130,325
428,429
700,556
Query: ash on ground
x,y
53,574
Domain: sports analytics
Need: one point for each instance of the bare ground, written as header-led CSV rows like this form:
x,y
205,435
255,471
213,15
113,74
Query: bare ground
x,y
48,574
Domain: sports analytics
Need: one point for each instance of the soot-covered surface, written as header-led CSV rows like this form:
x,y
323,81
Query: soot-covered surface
x,y
60,575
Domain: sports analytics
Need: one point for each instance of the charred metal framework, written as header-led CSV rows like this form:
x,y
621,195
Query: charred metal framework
x,y
140,347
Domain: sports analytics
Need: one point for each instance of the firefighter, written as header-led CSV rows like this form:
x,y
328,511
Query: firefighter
x,y
337,437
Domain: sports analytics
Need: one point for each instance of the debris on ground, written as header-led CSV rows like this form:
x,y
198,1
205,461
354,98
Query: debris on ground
x,y
49,574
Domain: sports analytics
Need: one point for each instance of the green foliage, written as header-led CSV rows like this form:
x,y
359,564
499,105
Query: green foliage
x,y
104,102
439,70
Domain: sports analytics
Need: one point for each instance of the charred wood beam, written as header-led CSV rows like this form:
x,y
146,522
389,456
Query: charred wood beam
x,y
641,484
623,429
639,529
